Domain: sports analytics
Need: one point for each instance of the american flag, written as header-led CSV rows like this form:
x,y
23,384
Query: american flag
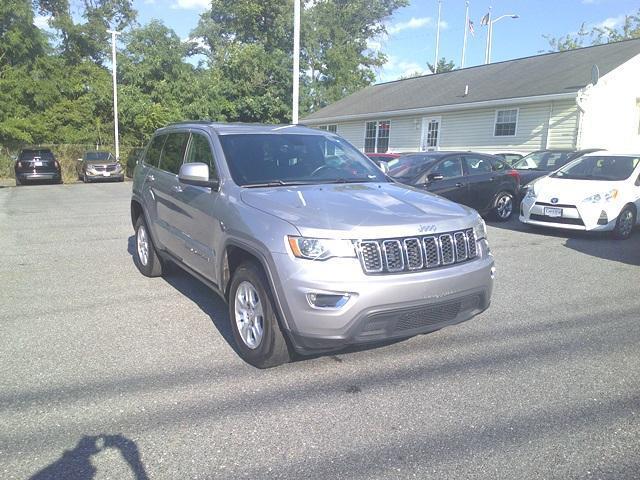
x,y
472,30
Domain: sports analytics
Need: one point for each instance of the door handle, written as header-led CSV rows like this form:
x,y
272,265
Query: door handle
x,y
176,188
459,185
492,179
151,178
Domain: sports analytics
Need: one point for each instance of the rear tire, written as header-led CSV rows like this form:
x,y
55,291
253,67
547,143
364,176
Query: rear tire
x,y
503,206
145,256
254,321
624,223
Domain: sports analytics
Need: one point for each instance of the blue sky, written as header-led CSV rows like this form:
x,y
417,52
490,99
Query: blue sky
x,y
411,39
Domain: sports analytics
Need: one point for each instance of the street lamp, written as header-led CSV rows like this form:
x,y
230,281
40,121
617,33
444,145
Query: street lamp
x,y
296,61
115,90
487,57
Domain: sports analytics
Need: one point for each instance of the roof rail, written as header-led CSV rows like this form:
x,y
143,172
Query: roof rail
x,y
201,122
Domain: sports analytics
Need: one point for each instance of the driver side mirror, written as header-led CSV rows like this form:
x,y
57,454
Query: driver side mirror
x,y
197,174
384,166
434,177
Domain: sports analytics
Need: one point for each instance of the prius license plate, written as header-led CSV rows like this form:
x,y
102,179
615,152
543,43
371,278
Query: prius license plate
x,y
553,212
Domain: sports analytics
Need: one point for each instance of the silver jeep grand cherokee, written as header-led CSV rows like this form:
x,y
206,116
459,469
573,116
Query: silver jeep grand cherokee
x,y
313,247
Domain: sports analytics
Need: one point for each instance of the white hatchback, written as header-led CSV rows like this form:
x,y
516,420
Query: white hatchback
x,y
597,192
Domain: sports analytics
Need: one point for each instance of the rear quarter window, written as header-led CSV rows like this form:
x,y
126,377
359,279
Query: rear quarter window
x,y
153,152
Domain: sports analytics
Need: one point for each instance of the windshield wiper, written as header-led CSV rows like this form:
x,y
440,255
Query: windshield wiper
x,y
277,183
350,180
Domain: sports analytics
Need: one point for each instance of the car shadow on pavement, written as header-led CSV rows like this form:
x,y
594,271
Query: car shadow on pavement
x,y
77,463
206,299
595,244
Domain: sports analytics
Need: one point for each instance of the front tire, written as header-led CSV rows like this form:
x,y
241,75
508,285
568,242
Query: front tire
x,y
625,223
503,206
145,256
85,179
254,322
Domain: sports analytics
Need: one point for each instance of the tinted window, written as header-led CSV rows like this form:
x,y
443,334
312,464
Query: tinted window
x,y
449,168
410,166
29,154
200,151
546,161
499,165
153,152
173,152
599,168
477,164
256,159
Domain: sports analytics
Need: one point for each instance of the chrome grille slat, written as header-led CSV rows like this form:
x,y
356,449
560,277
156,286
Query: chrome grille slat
x,y
446,249
411,254
393,256
431,252
460,241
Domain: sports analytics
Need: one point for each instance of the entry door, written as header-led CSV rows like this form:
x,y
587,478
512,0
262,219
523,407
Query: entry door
x,y
430,139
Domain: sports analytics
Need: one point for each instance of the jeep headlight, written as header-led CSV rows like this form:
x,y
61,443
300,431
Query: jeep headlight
x,y
320,248
480,229
602,197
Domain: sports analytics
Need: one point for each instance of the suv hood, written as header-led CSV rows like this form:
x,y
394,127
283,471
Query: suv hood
x,y
359,211
110,161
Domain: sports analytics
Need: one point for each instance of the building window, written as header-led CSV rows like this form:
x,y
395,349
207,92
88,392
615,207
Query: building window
x,y
376,137
329,128
432,133
506,121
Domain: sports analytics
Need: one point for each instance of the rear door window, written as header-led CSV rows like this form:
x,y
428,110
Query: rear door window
x,y
173,152
153,152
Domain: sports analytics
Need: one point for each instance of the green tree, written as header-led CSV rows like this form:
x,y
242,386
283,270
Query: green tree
x,y
597,35
443,66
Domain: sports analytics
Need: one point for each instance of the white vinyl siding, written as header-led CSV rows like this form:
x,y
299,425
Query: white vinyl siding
x,y
563,123
474,129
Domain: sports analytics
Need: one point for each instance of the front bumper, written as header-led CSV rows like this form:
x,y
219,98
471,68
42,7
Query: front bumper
x,y
584,217
380,307
97,175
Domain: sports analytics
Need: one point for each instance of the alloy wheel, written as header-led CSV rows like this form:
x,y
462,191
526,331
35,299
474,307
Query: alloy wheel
x,y
504,206
249,315
142,244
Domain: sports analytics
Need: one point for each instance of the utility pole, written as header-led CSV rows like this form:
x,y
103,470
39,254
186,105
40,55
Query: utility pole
x,y
466,32
114,67
435,64
296,60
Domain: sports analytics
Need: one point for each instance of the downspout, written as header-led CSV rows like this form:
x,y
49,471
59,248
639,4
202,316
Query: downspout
x,y
580,103
546,140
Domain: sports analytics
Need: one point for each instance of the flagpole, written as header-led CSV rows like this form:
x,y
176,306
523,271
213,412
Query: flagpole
x,y
466,32
435,64
296,60
486,52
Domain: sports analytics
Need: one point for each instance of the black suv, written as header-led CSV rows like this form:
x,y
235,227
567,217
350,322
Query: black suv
x,y
37,165
484,182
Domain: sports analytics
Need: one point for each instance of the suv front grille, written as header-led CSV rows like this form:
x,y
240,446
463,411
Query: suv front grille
x,y
416,253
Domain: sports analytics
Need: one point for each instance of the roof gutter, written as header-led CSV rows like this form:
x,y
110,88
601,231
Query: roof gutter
x,y
444,108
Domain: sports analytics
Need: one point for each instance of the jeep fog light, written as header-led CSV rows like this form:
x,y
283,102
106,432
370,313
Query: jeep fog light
x,y
322,300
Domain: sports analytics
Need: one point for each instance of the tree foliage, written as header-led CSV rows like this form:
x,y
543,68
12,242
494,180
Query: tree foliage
x,y
597,35
444,65
55,83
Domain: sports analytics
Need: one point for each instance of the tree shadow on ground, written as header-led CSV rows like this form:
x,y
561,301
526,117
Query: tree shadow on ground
x,y
77,464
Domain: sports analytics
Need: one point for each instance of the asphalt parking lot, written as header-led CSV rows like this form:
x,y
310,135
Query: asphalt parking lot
x,y
107,374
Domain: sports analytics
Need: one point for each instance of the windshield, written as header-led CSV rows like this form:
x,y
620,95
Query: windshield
x,y
410,166
30,154
97,156
599,168
294,159
546,161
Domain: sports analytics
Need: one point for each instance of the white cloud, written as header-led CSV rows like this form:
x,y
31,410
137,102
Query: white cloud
x,y
192,4
412,24
149,2
396,68
199,41
41,21
611,22
443,25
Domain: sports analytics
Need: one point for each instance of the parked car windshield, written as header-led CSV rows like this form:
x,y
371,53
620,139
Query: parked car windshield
x,y
599,168
546,161
97,156
410,166
294,159
29,154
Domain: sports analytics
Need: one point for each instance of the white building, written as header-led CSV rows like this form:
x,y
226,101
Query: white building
x,y
584,98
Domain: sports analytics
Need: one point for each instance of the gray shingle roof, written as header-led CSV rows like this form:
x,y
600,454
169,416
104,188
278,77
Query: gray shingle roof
x,y
551,73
